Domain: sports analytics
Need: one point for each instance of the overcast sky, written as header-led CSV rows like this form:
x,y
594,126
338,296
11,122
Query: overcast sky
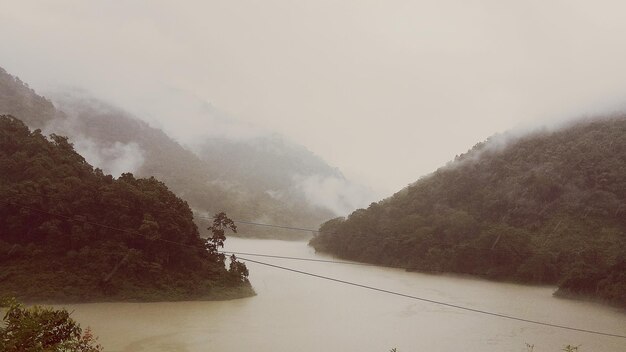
x,y
385,90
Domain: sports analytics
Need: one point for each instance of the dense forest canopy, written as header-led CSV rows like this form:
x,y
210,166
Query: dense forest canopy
x,y
264,162
548,207
18,99
70,232
250,180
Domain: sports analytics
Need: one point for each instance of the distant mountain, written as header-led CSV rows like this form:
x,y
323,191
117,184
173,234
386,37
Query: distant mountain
x,y
69,232
262,179
267,162
18,99
547,207
286,171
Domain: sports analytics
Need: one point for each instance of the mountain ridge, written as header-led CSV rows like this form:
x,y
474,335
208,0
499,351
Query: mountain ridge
x,y
209,180
548,207
82,235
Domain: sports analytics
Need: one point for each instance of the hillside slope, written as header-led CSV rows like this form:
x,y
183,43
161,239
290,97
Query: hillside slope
x,y
132,238
18,99
264,162
549,207
211,180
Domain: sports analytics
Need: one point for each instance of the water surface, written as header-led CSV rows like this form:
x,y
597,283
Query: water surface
x,y
293,312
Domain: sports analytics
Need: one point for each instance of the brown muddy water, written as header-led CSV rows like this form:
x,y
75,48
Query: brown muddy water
x,y
293,312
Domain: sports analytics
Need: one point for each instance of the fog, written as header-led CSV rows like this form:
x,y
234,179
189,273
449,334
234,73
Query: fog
x,y
386,91
337,194
189,118
115,160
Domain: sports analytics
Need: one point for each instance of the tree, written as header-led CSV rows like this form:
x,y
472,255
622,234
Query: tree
x,y
40,329
221,223
238,270
547,207
61,220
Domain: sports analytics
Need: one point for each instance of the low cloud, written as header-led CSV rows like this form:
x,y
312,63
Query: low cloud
x,y
187,117
500,141
115,159
336,194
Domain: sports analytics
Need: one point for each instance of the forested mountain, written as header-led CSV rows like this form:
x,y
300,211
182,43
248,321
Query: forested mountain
x,y
286,171
70,232
244,179
18,99
548,207
264,162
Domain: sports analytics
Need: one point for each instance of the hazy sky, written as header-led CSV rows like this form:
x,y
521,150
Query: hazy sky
x,y
385,90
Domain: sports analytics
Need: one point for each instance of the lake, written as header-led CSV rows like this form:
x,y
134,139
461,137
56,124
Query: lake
x,y
294,312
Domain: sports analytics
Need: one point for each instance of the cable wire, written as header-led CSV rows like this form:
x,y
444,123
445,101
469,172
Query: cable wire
x,y
499,315
274,226
195,215
298,258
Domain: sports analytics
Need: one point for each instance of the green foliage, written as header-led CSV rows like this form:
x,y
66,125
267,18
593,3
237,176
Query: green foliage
x,y
17,99
221,223
248,180
39,329
237,271
549,207
76,260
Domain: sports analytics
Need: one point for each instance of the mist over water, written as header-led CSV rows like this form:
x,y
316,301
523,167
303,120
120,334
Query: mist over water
x,y
291,113
337,194
293,312
364,84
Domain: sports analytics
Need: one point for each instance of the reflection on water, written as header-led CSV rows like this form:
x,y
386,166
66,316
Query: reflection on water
x,y
293,312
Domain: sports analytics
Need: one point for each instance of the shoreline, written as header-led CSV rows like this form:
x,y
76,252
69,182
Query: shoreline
x,y
221,294
558,292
